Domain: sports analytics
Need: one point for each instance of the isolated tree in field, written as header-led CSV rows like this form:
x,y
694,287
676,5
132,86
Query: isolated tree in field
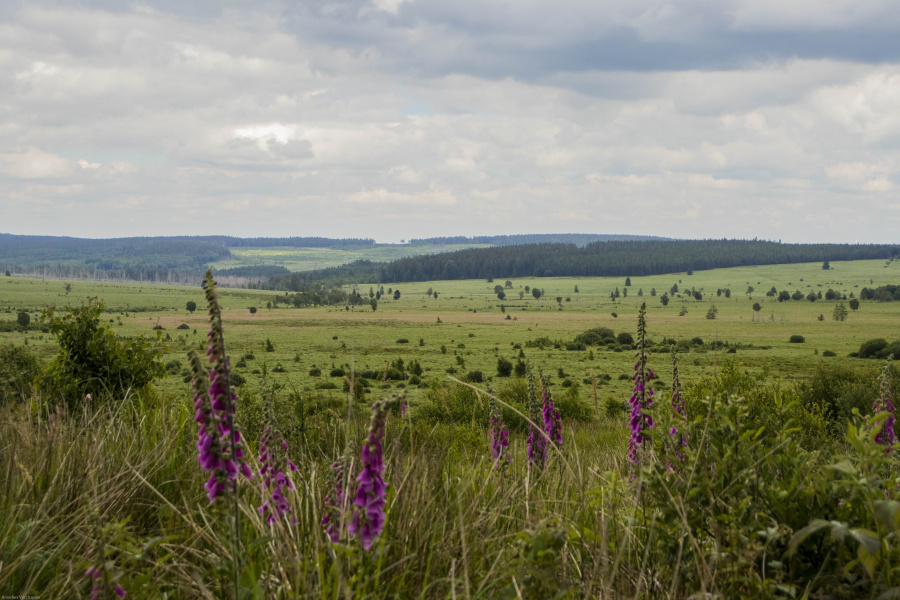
x,y
68,288
527,289
698,295
508,284
840,312
812,297
826,265
664,299
831,295
640,291
711,313
435,294
521,294
501,295
559,299
756,307
498,289
624,292
270,347
750,291
536,293
23,319
576,289
728,292
653,291
798,295
617,294
784,295
628,281
396,294
252,310
854,304
191,306
674,289
373,303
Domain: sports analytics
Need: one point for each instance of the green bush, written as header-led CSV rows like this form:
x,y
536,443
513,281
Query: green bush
x,y
797,339
18,370
92,360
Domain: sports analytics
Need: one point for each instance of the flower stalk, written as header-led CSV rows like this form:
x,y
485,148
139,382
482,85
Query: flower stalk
x,y
642,397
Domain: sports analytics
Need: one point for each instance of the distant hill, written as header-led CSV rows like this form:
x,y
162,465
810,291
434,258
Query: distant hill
x,y
595,259
579,239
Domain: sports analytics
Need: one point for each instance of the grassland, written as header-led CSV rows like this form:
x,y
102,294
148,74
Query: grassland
x,y
464,329
123,479
309,259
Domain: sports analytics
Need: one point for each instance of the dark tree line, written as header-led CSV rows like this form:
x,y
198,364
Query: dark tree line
x,y
624,259
579,239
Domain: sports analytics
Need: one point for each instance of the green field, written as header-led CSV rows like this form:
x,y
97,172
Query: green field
x,y
119,477
309,259
467,322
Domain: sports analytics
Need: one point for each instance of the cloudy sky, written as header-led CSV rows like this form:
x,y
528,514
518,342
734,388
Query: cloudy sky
x,y
395,119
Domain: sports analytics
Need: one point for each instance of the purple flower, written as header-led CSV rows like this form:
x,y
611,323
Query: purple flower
x,y
368,517
219,447
275,469
537,442
886,404
499,437
677,434
552,419
642,396
334,499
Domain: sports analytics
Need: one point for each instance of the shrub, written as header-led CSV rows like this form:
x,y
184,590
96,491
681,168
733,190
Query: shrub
x,y
574,346
872,348
337,372
92,360
625,338
403,341
504,367
18,369
183,326
315,372
797,339
828,353
475,377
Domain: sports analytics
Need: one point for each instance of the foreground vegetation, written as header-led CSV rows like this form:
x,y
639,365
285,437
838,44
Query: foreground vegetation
x,y
784,489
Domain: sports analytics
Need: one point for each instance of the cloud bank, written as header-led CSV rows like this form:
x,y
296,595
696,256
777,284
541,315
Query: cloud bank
x,y
395,119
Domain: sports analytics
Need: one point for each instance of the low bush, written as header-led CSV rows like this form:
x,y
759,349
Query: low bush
x,y
797,339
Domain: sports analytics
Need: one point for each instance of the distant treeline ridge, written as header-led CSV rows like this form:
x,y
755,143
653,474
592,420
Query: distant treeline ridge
x,y
599,259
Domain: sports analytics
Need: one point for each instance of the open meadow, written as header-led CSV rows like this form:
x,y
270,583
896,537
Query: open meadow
x,y
719,498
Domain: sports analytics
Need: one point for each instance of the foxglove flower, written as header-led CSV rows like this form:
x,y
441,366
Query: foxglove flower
x,y
499,437
552,420
642,397
679,417
886,404
537,442
275,470
335,498
367,521
219,447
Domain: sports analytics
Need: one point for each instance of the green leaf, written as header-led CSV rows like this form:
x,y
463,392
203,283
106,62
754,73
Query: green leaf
x,y
800,535
886,511
867,538
845,467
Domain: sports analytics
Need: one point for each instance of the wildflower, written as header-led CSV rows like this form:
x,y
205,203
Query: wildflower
x,y
275,469
219,447
368,518
552,420
334,498
499,437
642,397
536,443
886,404
679,437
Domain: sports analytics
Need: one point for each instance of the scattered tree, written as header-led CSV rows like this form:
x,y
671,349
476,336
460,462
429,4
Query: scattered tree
x,y
711,313
664,299
374,304
252,310
23,319
396,294
191,306
826,266
627,281
840,312
854,304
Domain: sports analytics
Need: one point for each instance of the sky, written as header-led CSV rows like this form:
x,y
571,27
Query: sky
x,y
399,119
